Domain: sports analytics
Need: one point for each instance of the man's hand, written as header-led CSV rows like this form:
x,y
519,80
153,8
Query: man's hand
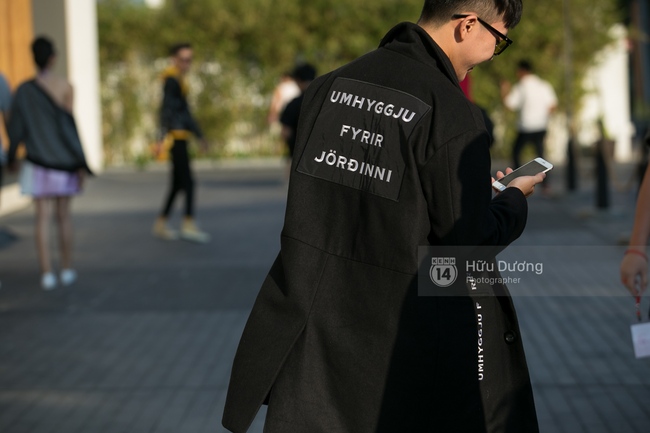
x,y
501,175
634,273
525,183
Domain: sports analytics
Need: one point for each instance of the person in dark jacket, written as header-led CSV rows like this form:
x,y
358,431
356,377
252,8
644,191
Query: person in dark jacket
x,y
178,124
391,156
303,76
5,102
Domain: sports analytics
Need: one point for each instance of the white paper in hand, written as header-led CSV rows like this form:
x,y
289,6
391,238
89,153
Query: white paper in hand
x,y
641,339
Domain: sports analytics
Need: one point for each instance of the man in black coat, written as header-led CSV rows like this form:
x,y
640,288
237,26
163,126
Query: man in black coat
x,y
390,156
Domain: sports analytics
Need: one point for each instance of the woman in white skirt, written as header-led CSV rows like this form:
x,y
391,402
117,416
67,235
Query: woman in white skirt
x,y
40,117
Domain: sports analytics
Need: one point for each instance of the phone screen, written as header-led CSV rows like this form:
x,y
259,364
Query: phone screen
x,y
529,169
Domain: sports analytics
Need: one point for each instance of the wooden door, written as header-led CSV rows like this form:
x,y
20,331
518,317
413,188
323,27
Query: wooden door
x,y
16,34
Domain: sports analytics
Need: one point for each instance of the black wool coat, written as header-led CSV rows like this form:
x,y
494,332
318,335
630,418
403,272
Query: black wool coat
x,y
390,156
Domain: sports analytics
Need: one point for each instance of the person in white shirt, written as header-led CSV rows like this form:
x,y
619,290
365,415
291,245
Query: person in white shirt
x,y
286,91
534,99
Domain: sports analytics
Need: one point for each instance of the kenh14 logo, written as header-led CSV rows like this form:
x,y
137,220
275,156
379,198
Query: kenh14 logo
x,y
443,271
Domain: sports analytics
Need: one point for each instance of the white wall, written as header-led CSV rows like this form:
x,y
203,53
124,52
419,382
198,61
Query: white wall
x,y
154,3
49,20
83,73
72,25
608,98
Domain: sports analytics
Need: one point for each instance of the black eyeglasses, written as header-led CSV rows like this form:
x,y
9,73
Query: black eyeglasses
x,y
503,41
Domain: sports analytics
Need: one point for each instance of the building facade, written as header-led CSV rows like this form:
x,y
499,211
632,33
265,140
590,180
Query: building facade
x,y
72,25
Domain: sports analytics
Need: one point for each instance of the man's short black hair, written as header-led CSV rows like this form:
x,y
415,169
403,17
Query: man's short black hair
x,y
304,73
440,11
174,49
43,51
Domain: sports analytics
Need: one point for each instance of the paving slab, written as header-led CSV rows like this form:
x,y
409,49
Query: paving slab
x,y
144,341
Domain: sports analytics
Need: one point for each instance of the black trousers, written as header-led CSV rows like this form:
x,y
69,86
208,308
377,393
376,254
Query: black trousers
x,y
523,138
181,179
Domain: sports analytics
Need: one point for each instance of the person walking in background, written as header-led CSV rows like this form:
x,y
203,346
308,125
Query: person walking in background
x,y
534,100
284,92
303,75
5,102
634,266
176,120
41,117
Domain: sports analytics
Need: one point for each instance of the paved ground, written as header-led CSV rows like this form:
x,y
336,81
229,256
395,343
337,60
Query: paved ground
x,y
144,341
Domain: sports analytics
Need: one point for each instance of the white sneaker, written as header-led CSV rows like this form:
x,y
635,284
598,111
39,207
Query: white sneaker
x,y
190,232
160,230
48,281
68,276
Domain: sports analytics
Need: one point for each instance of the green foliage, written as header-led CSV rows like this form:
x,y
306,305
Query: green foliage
x,y
241,47
122,28
540,38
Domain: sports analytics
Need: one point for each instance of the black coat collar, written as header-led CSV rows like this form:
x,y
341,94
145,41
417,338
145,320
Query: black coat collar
x,y
412,40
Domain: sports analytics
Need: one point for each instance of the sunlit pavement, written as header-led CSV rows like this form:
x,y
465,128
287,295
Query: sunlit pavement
x,y
143,342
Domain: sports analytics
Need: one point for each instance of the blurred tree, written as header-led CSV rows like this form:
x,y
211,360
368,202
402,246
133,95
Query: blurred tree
x,y
540,38
242,47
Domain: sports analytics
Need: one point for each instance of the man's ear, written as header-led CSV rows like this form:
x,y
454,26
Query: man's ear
x,y
466,27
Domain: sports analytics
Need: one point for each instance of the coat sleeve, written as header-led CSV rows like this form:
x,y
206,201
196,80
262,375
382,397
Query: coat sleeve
x,y
456,183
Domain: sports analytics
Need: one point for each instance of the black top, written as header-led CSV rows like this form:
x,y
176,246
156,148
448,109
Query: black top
x,y
289,118
48,131
175,111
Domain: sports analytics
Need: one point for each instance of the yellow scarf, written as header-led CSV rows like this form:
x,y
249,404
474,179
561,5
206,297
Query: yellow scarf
x,y
172,71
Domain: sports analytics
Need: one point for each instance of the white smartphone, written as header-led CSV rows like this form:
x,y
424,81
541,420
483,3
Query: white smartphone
x,y
537,165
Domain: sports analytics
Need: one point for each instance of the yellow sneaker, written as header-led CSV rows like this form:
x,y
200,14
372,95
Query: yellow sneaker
x,y
190,232
160,230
